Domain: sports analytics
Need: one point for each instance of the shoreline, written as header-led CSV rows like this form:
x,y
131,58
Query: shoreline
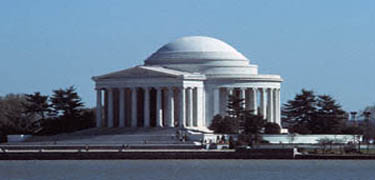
x,y
157,151
167,155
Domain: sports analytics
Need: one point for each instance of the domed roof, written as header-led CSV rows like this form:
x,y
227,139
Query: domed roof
x,y
191,48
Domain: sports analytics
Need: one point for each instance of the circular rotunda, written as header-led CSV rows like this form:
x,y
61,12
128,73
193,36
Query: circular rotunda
x,y
183,85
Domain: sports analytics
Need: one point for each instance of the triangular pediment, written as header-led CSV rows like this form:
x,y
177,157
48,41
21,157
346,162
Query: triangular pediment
x,y
143,72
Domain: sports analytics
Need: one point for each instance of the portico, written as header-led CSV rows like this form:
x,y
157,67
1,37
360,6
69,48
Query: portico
x,y
158,107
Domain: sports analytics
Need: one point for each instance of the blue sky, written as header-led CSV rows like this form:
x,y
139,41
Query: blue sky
x,y
326,46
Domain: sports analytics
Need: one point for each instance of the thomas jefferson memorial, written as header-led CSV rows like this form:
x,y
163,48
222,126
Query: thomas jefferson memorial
x,y
184,84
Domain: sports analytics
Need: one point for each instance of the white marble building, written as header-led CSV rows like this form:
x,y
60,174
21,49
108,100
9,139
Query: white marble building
x,y
184,84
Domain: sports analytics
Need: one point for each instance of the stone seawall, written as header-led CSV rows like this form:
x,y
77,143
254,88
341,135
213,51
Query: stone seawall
x,y
331,157
165,155
134,155
116,152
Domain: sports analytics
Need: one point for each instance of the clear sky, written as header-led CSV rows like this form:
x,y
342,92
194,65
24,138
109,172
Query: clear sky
x,y
326,46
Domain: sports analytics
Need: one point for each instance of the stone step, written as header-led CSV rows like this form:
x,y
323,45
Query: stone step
x,y
156,136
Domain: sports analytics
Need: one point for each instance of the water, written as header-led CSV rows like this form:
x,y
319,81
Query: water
x,y
187,169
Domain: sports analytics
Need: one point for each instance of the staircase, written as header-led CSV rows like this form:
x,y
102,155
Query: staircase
x,y
139,138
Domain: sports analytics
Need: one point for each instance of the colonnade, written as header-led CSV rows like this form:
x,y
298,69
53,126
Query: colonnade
x,y
262,101
149,107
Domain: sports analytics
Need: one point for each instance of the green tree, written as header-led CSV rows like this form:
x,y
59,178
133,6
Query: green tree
x,y
225,125
272,128
66,103
235,106
329,117
87,118
37,103
253,125
299,129
307,114
67,114
300,111
352,130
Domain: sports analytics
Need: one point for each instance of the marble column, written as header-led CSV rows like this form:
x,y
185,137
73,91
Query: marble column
x,y
229,92
159,110
278,108
199,106
182,107
122,107
189,108
105,108
270,103
146,107
170,108
274,98
195,107
203,105
216,101
99,123
243,96
134,108
263,107
253,101
110,108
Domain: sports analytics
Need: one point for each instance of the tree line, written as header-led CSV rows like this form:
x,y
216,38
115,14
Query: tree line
x,y
308,113
35,113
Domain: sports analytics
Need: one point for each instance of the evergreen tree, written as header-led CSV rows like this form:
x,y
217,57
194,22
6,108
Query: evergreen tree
x,y
66,107
66,102
300,111
253,126
217,124
272,128
329,117
307,114
226,125
235,106
37,103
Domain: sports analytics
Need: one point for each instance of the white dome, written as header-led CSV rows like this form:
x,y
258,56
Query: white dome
x,y
194,49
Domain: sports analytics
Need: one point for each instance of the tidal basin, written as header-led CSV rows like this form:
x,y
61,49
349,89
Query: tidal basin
x,y
187,169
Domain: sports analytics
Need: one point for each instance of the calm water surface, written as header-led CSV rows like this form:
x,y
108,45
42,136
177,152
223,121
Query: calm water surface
x,y
187,169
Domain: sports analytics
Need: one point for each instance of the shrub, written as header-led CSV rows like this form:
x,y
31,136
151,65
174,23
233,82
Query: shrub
x,y
272,128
